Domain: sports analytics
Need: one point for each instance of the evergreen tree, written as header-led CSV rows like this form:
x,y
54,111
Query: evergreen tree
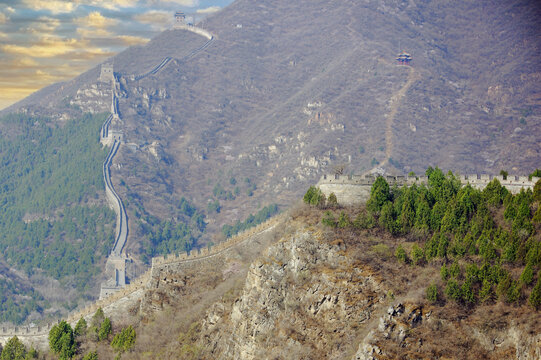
x,y
332,201
105,329
432,293
62,341
535,295
80,327
124,340
343,220
13,350
93,355
379,195
401,255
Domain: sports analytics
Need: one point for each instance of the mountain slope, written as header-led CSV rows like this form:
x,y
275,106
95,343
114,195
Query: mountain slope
x,y
288,90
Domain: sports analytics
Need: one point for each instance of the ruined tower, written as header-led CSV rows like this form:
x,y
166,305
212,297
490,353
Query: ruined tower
x,y
106,73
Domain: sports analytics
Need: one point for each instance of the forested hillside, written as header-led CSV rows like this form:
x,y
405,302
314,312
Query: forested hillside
x,y
487,243
53,219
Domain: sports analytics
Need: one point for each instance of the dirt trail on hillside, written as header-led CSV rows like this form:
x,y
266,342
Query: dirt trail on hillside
x,y
395,102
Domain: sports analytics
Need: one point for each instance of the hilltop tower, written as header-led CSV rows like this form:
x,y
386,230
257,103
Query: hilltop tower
x,y
404,58
180,18
106,73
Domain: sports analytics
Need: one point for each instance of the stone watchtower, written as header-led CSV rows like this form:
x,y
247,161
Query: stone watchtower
x,y
106,73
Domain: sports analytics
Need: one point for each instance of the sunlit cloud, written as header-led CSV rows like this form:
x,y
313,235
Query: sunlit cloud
x,y
54,6
45,48
111,4
154,17
97,20
187,3
129,40
94,33
44,25
209,10
46,41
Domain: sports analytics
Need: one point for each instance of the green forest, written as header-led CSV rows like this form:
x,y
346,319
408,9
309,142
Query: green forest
x,y
487,242
252,220
50,220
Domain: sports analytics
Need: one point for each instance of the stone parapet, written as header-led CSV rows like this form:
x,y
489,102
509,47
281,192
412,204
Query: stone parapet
x,y
355,189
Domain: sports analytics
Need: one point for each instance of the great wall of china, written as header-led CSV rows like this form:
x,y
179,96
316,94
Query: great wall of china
x,y
116,289
355,189
352,189
38,336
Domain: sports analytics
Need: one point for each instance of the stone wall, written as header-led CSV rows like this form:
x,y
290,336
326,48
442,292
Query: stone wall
x,y
355,189
194,29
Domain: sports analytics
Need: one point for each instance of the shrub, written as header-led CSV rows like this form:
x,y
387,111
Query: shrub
x,y
343,220
486,293
401,255
124,340
535,296
432,293
105,329
527,274
417,254
452,290
314,196
328,219
444,272
332,201
93,355
364,220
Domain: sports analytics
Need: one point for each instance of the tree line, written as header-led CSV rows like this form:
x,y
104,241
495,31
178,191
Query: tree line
x,y
482,238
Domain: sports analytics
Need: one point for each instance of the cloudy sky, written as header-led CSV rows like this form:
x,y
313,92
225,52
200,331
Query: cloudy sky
x,y
46,41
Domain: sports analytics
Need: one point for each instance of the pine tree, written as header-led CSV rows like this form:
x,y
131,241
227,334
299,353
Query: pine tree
x,y
105,329
535,296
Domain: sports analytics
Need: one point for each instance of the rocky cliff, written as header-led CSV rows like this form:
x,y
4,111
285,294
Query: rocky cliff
x,y
320,294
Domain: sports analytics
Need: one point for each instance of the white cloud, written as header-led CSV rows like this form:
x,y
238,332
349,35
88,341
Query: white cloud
x,y
97,21
54,6
44,25
209,10
187,3
3,18
49,47
132,40
110,4
154,17
94,33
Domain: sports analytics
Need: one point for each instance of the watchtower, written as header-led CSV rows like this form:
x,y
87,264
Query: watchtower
x,y
404,58
106,73
180,18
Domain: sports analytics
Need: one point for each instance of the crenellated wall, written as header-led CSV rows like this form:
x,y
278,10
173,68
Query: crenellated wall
x,y
355,189
218,248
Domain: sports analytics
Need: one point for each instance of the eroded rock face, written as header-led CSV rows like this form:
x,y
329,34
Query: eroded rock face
x,y
306,297
302,299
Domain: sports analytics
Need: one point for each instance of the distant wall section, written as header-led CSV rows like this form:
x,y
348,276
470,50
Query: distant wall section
x,y
355,189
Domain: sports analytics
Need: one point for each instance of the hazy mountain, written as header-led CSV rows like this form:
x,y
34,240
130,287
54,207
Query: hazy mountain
x,y
290,89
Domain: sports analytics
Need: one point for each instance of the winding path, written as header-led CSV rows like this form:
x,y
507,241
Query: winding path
x,y
395,102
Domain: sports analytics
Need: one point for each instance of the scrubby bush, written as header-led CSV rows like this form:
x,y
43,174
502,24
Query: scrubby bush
x,y
432,293
401,255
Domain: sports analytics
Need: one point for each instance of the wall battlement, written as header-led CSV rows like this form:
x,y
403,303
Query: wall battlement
x,y
218,248
355,189
38,335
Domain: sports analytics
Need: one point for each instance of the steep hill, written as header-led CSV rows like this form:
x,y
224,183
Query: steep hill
x,y
287,90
